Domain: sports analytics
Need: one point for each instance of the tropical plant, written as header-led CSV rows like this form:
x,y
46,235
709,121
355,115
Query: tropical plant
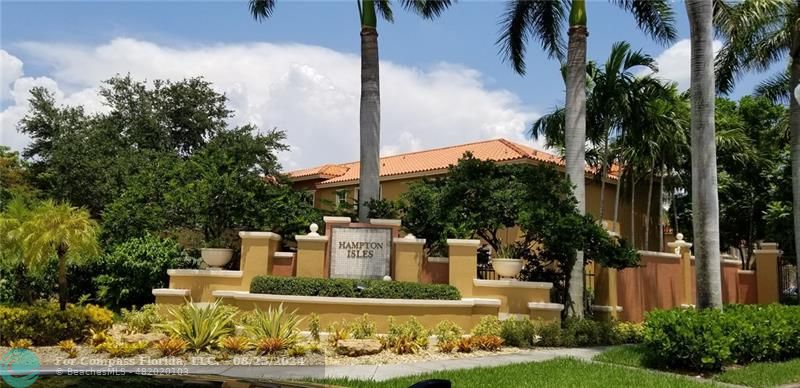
x,y
543,21
200,326
68,347
235,344
447,331
368,10
141,320
313,326
276,324
171,346
49,229
363,327
758,34
705,203
22,343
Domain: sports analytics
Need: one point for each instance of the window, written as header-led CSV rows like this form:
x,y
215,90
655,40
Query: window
x,y
341,197
309,196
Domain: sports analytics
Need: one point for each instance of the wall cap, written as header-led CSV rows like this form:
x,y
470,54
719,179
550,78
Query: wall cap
x,y
545,306
767,251
511,283
730,262
212,273
303,237
441,260
284,255
485,302
606,309
259,235
244,295
336,220
665,255
457,242
406,240
747,271
170,292
385,221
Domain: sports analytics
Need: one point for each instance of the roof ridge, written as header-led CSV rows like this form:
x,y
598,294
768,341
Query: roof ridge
x,y
516,147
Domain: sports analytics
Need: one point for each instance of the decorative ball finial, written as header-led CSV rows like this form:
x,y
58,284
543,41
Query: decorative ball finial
x,y
410,236
313,228
387,278
679,237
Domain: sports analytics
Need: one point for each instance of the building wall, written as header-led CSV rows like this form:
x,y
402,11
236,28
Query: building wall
x,y
392,189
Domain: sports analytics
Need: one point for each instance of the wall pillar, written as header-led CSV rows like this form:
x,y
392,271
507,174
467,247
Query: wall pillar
x,y
605,292
766,264
258,249
311,251
682,248
408,258
463,267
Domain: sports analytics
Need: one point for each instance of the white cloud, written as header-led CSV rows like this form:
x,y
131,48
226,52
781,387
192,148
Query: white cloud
x,y
310,92
674,63
10,71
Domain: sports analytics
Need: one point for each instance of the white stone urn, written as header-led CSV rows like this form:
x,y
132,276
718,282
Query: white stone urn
x,y
507,268
216,258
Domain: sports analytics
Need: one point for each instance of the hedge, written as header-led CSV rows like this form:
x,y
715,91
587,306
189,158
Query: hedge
x,y
711,339
45,324
352,288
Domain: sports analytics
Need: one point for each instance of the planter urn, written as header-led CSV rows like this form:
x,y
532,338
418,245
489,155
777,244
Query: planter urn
x,y
216,258
507,268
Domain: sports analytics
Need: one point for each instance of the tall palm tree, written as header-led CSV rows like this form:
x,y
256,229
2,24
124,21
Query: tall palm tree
x,y
543,20
705,202
610,92
370,112
758,34
50,230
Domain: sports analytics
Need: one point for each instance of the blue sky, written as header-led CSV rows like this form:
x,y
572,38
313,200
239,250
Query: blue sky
x,y
51,40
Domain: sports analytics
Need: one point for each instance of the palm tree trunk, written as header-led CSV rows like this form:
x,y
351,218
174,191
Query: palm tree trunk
x,y
649,206
794,125
633,209
603,175
62,276
618,192
370,122
661,211
575,139
705,201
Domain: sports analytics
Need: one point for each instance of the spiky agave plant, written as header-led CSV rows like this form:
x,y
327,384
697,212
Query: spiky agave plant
x,y
275,324
200,326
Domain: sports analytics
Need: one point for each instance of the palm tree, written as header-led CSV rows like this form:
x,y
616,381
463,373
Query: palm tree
x,y
705,202
544,20
757,35
370,116
49,229
610,92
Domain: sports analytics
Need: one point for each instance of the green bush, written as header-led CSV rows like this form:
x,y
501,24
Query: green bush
x,y
134,268
46,325
489,325
447,331
351,288
140,321
201,327
710,339
548,334
518,332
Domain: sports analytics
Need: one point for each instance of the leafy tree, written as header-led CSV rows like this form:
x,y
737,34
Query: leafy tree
x,y
544,21
14,176
46,230
370,118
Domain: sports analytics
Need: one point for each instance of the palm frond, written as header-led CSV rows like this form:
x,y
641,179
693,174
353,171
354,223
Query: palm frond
x,y
384,8
654,17
429,9
551,127
775,88
541,20
262,9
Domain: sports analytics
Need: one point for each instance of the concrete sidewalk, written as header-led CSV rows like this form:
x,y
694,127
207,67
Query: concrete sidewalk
x,y
360,372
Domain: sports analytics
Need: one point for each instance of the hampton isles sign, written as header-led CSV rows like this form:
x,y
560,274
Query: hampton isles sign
x,y
360,252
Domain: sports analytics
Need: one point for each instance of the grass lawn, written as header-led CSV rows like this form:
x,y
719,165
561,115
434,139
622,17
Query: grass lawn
x,y
562,372
759,374
763,374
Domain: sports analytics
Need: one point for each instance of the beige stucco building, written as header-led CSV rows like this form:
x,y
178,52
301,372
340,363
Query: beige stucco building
x,y
330,183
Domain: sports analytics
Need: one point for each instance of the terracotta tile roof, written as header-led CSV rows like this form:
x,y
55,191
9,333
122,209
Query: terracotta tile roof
x,y
431,160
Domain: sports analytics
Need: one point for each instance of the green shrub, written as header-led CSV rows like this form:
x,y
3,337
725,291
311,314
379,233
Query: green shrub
x,y
142,320
488,325
351,288
517,332
363,328
45,324
584,332
200,327
711,339
627,333
548,334
313,326
447,331
134,268
406,337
